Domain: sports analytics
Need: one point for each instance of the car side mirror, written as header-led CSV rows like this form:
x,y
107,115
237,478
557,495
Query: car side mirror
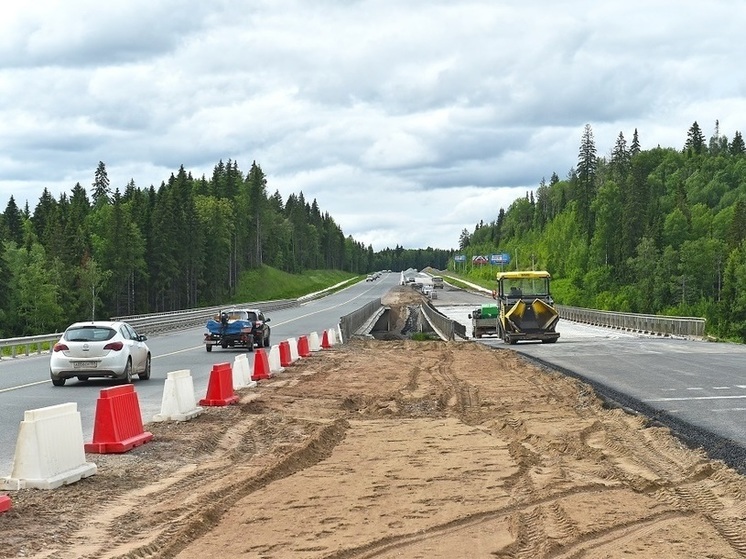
x,y
141,338
266,319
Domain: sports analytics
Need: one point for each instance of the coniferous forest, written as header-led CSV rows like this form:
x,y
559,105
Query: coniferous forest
x,y
182,245
658,231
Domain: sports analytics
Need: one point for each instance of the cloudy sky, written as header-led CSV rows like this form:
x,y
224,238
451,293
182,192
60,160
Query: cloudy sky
x,y
407,121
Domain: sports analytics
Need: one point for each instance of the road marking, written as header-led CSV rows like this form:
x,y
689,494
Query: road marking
x,y
729,409
25,385
721,387
741,386
691,398
695,388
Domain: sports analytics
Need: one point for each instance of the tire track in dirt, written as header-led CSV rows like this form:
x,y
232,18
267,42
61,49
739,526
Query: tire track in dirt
x,y
117,533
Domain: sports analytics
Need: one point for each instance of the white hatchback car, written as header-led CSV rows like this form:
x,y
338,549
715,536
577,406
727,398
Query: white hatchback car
x,y
100,349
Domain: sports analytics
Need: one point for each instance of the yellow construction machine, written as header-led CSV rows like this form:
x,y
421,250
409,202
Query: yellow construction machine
x,y
525,307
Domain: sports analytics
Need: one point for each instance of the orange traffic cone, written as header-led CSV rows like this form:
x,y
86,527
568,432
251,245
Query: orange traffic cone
x,y
285,358
304,350
325,340
220,387
118,424
261,365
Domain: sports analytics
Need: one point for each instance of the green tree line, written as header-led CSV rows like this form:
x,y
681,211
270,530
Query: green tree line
x,y
658,231
182,245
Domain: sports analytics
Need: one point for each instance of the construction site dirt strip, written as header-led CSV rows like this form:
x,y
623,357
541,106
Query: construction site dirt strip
x,y
382,449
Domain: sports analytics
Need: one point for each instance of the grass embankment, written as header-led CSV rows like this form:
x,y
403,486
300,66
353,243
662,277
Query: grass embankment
x,y
269,284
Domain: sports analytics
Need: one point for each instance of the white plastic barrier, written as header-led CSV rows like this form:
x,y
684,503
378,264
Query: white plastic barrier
x,y
178,402
314,343
242,372
275,363
340,337
49,450
294,355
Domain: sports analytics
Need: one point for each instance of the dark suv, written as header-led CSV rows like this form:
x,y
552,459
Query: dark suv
x,y
260,328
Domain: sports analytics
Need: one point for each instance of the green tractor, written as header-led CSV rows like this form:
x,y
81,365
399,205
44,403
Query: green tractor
x,y
525,307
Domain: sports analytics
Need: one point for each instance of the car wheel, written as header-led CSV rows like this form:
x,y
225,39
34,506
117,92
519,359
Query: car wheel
x,y
208,348
145,375
127,377
266,341
58,381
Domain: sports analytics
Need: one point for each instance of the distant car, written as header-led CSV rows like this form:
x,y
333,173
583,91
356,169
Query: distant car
x,y
102,349
369,278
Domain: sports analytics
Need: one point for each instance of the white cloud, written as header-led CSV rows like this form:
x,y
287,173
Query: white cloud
x,y
408,121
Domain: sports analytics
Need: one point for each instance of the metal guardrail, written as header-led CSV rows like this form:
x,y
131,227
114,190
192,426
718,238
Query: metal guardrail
x,y
145,323
684,326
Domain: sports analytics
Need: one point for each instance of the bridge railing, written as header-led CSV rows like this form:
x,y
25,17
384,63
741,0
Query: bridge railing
x,y
684,326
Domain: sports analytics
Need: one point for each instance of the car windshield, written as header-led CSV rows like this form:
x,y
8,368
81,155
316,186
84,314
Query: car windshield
x,y
89,334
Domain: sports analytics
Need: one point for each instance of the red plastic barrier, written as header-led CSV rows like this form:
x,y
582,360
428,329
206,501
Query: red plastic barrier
x,y
118,424
325,340
286,359
304,350
261,365
220,387
4,503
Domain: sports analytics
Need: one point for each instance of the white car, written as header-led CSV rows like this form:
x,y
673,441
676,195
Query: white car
x,y
100,349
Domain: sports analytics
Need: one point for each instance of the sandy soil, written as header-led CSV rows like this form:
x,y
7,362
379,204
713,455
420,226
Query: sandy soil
x,y
396,449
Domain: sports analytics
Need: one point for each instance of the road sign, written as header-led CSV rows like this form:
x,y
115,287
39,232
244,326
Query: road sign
x,y
460,258
502,258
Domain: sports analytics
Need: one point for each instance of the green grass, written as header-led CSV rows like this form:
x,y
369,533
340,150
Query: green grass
x,y
269,284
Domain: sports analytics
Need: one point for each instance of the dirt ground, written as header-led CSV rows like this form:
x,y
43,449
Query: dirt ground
x,y
397,448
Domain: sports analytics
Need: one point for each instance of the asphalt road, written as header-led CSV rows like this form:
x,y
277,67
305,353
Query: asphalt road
x,y
25,383
696,388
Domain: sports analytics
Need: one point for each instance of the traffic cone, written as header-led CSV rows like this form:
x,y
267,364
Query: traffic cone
x,y
303,348
325,340
118,424
220,387
4,503
285,358
261,365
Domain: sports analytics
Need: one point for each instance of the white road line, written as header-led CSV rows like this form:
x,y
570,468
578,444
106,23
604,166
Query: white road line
x,y
24,385
721,387
695,388
741,386
729,409
692,398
